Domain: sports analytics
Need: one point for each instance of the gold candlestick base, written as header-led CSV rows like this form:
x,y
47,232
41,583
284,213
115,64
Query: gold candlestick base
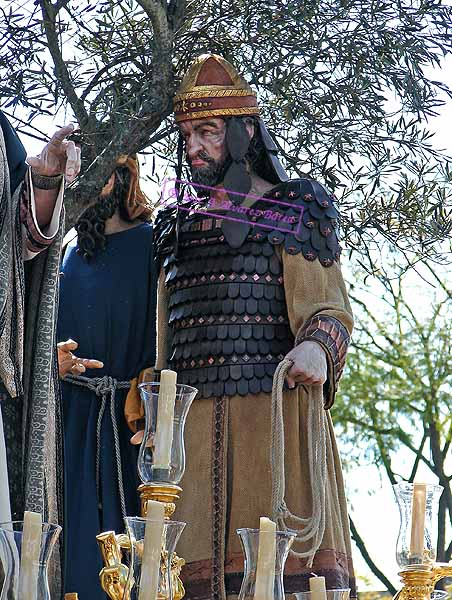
x,y
168,494
160,492
419,580
114,575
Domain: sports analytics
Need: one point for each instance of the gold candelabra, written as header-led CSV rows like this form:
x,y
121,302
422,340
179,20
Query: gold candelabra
x,y
114,577
419,580
416,555
161,465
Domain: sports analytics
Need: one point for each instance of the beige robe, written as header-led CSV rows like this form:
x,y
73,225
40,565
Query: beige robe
x,y
227,482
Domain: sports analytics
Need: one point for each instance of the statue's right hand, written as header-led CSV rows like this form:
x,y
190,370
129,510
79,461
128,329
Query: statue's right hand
x,y
68,363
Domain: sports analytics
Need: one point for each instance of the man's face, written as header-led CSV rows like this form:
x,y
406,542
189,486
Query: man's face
x,y
205,148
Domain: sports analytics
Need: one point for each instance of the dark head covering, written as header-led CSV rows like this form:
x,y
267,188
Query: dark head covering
x,y
15,153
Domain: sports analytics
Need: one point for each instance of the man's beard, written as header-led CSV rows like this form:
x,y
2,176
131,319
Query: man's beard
x,y
210,175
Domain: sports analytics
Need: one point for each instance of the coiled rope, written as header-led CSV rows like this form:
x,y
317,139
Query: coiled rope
x,y
313,527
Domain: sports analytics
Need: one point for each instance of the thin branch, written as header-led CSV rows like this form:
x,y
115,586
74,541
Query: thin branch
x,y
98,76
447,443
448,553
43,136
365,554
418,456
49,14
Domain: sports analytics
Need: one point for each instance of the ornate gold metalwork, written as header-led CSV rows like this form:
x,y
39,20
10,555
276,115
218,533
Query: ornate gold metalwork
x,y
176,583
114,576
168,494
159,492
221,112
206,91
419,580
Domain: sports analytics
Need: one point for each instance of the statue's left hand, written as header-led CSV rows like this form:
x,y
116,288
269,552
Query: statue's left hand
x,y
309,365
58,157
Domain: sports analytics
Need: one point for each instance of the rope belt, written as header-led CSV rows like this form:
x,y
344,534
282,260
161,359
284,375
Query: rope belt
x,y
105,387
312,527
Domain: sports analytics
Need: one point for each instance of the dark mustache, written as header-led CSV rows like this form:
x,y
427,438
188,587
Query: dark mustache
x,y
203,156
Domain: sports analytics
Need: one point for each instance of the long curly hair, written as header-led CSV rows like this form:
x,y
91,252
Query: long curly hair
x,y
90,226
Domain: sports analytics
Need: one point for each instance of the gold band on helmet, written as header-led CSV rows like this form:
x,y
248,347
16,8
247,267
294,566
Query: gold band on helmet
x,y
213,88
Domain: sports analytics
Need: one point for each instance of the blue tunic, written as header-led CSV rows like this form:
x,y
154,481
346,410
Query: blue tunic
x,y
108,307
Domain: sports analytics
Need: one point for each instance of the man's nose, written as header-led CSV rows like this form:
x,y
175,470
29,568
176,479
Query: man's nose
x,y
193,147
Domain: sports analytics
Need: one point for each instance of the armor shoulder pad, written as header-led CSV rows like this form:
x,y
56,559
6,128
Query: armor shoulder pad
x,y
301,214
165,230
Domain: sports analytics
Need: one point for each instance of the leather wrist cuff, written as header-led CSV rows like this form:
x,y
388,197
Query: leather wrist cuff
x,y
334,339
44,182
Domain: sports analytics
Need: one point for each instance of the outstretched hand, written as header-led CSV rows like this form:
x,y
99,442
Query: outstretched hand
x,y
68,363
58,157
309,365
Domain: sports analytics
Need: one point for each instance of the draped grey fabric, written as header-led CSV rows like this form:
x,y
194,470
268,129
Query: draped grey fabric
x,y
28,370
11,282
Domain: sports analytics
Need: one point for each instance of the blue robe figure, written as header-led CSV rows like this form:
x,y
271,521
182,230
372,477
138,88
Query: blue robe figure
x,y
108,306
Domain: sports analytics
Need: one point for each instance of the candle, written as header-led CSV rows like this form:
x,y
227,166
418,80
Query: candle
x,y
165,418
418,520
318,588
150,565
29,555
266,558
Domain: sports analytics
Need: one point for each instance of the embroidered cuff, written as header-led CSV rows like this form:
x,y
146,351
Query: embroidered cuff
x,y
35,239
334,339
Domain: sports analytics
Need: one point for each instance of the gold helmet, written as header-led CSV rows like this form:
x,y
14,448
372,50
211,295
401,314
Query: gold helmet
x,y
213,88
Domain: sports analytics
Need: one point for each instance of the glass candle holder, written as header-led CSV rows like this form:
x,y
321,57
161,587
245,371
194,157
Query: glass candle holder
x,y
249,539
136,528
170,473
11,537
418,507
339,594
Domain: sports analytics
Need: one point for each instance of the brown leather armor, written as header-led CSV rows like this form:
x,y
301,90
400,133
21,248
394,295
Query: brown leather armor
x,y
227,309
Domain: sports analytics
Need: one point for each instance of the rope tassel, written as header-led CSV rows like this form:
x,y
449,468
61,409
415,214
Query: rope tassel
x,y
312,527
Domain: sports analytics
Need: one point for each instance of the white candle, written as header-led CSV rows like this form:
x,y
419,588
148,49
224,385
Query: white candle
x,y
266,558
153,537
418,520
29,556
165,419
318,588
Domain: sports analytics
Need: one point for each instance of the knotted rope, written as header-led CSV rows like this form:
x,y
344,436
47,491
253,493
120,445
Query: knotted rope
x,y
104,387
313,527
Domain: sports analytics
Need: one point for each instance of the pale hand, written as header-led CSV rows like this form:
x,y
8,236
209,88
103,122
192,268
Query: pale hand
x,y
58,157
68,363
309,365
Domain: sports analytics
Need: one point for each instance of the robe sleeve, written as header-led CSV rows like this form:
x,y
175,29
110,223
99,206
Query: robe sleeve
x,y
319,310
34,238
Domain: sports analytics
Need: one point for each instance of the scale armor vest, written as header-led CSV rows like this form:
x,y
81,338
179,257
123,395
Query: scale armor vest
x,y
228,320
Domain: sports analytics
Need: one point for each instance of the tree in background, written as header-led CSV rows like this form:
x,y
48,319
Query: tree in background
x,y
344,85
395,396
